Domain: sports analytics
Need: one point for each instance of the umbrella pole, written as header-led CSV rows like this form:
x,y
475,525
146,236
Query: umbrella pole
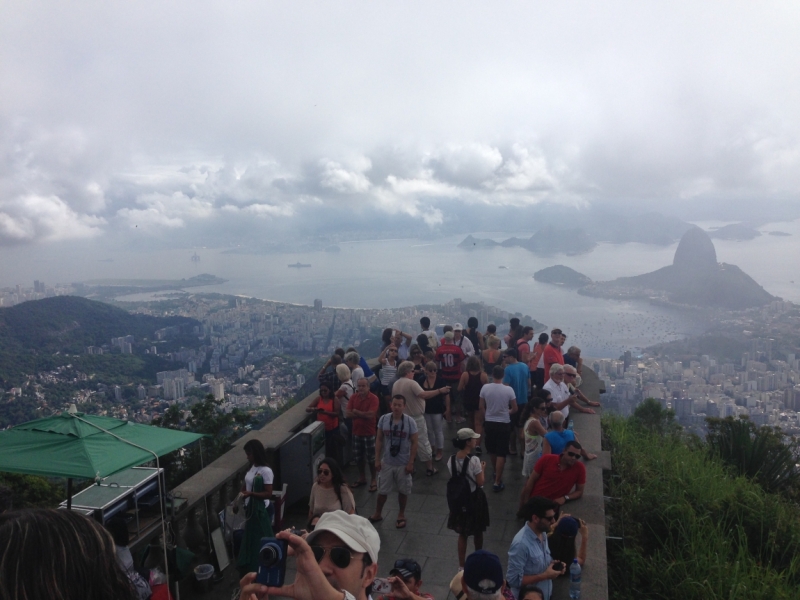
x,y
69,493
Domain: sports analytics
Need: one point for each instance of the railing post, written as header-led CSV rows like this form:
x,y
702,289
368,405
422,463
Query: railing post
x,y
193,534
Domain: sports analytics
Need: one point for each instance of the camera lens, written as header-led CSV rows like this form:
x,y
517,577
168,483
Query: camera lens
x,y
268,555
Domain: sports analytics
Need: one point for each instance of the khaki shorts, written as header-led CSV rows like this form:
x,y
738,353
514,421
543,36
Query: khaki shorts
x,y
394,478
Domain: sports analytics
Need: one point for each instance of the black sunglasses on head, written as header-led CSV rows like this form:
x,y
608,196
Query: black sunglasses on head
x,y
340,555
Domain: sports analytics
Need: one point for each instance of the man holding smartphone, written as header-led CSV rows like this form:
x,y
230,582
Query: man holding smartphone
x,y
529,559
336,561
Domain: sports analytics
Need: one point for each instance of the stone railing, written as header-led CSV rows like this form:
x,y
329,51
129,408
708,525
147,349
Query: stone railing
x,y
199,500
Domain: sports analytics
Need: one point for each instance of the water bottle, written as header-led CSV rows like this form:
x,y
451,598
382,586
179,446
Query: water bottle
x,y
570,425
575,580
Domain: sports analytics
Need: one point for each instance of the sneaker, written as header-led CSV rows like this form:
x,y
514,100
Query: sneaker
x,y
499,487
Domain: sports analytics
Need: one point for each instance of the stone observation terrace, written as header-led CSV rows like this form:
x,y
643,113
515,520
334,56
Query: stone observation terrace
x,y
425,537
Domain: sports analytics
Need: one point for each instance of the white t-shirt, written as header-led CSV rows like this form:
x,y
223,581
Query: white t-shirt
x,y
560,392
266,474
402,350
349,388
473,470
466,345
498,398
433,340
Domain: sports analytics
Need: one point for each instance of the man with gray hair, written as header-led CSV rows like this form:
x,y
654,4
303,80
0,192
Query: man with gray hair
x,y
573,381
563,398
415,408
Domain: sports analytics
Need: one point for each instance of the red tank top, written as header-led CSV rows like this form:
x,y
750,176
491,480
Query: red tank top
x,y
331,423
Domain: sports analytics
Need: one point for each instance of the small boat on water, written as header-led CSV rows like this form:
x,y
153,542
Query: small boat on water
x,y
299,265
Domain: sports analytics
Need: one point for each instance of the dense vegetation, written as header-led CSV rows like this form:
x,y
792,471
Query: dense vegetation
x,y
32,332
691,525
70,324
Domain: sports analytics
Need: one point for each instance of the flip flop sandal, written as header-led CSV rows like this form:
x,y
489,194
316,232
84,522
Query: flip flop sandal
x,y
371,520
401,523
430,472
373,488
358,484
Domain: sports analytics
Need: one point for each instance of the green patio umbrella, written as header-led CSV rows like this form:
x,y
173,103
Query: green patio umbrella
x,y
75,445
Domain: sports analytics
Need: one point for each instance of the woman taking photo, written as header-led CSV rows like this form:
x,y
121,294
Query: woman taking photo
x,y
437,409
328,409
257,491
416,357
329,493
475,520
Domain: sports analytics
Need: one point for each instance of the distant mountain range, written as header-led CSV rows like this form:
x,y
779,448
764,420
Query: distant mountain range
x,y
582,233
561,275
36,330
735,231
695,278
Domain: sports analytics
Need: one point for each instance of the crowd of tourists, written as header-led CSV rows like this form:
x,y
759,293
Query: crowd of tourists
x,y
511,399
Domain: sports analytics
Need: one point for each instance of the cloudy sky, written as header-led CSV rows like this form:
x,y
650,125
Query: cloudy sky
x,y
175,118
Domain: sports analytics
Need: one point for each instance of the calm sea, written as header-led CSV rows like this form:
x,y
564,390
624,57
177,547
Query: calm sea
x,y
396,273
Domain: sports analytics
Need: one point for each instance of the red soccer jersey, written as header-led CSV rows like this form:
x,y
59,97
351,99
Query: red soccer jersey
x,y
552,482
552,355
450,357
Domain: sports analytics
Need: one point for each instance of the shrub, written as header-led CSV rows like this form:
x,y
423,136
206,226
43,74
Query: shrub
x,y
758,453
690,528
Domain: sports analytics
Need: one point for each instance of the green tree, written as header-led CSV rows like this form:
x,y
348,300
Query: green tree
x,y
652,417
32,491
758,453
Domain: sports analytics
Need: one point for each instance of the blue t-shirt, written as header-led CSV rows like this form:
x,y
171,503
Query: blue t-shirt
x,y
517,376
363,364
558,440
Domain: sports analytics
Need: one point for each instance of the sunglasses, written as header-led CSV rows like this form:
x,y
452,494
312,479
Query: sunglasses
x,y
573,455
551,518
569,374
340,556
323,472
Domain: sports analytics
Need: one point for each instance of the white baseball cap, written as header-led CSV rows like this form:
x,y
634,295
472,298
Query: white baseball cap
x,y
458,327
356,532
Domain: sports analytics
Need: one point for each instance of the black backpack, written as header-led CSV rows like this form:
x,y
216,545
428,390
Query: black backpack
x,y
459,492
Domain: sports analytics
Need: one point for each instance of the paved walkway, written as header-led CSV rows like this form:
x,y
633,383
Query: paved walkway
x,y
427,539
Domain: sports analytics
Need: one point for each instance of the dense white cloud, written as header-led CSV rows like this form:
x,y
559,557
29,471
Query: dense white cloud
x,y
46,218
164,117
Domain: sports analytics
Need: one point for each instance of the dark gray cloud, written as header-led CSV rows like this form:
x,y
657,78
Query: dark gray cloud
x,y
185,118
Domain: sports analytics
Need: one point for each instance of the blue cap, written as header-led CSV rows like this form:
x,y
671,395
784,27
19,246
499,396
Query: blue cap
x,y
483,572
568,527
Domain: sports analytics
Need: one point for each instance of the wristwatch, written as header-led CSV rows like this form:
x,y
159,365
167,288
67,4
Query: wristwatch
x,y
566,498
